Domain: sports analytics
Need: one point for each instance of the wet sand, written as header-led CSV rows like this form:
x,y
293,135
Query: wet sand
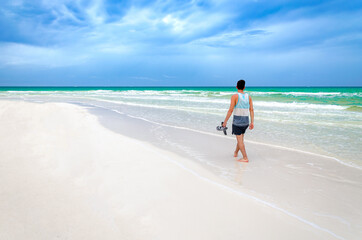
x,y
319,189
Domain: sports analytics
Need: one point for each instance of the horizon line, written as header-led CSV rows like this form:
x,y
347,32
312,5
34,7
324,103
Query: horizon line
x,y
125,86
179,86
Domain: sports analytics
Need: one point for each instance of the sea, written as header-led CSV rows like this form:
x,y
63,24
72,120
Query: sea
x,y
320,120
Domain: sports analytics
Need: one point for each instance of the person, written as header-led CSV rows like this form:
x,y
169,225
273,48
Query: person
x,y
241,104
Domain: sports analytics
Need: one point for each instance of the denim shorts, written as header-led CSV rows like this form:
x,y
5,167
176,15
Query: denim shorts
x,y
238,130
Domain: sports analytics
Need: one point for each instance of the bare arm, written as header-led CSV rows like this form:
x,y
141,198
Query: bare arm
x,y
251,110
231,109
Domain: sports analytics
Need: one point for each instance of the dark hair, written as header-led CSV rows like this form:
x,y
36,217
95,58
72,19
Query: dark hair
x,y
241,84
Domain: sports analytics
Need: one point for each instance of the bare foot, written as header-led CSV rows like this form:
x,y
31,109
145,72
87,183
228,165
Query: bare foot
x,y
243,160
236,153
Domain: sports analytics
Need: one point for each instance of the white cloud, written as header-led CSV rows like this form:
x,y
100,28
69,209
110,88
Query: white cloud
x,y
237,38
139,17
63,13
278,36
13,54
177,24
163,28
95,12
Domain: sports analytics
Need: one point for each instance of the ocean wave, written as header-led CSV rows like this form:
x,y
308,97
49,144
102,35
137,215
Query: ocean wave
x,y
100,91
225,93
354,109
191,93
22,92
204,110
144,93
312,94
298,105
177,98
162,93
310,122
300,113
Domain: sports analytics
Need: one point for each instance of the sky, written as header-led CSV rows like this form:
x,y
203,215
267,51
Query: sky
x,y
180,43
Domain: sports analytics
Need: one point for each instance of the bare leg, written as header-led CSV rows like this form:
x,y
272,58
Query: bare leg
x,y
240,139
236,150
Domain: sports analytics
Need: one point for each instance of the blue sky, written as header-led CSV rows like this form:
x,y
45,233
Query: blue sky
x,y
180,43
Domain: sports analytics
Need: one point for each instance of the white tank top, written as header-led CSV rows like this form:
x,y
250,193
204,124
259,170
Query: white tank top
x,y
241,110
242,106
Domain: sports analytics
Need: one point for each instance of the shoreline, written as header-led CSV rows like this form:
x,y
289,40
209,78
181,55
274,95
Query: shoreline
x,y
250,183
343,162
299,124
340,161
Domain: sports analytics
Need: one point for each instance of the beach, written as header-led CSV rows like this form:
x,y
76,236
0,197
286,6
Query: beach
x,y
121,120
76,172
305,118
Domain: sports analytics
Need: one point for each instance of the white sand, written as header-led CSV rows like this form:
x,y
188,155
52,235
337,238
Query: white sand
x,y
64,176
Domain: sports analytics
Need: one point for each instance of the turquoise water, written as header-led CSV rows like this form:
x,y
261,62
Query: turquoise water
x,y
347,96
326,121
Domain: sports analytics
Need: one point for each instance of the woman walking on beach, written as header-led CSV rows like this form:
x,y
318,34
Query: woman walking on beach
x,y
241,104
